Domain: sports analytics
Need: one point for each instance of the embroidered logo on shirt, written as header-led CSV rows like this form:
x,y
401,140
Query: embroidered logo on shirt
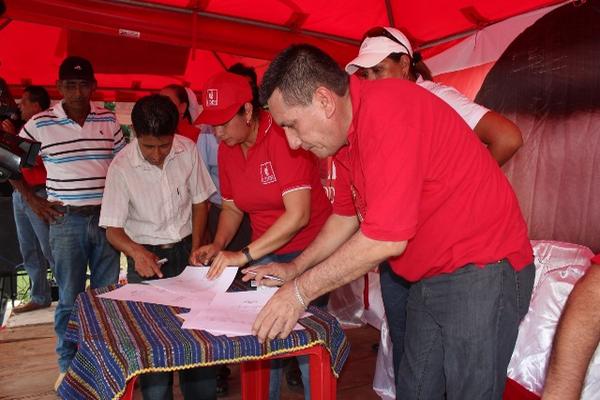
x,y
212,97
267,175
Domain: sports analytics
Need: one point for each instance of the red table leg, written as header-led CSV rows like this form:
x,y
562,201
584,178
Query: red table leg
x,y
128,395
322,381
255,379
255,375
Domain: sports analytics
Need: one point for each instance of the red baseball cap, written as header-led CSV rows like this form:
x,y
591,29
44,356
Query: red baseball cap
x,y
222,96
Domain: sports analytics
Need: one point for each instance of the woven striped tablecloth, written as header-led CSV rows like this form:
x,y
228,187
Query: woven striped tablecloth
x,y
118,340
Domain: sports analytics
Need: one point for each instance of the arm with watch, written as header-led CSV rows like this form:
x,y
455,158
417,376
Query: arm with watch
x,y
295,217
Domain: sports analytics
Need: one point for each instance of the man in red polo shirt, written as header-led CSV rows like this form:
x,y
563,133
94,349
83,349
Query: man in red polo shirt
x,y
414,186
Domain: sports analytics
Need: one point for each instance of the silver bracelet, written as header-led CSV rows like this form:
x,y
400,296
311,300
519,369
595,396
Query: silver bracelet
x,y
298,295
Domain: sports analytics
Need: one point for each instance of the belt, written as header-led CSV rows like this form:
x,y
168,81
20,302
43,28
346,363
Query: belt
x,y
80,210
166,245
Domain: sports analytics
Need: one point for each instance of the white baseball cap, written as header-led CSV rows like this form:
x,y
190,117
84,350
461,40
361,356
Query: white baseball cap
x,y
373,50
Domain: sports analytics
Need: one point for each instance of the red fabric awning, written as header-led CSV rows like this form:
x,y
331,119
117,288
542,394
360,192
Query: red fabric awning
x,y
143,45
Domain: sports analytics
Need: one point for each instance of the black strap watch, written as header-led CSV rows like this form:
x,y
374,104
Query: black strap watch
x,y
246,252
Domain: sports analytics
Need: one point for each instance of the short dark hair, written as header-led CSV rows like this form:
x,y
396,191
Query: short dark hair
x,y
298,71
182,96
154,115
38,94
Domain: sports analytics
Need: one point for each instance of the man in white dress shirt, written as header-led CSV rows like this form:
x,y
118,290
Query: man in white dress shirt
x,y
155,207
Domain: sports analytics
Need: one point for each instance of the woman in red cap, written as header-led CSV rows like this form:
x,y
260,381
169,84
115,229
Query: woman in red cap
x,y
278,187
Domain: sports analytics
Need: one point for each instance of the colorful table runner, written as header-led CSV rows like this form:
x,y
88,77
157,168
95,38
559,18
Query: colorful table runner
x,y
119,340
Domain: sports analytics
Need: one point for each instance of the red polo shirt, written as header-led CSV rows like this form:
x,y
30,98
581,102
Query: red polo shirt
x,y
258,183
184,128
413,170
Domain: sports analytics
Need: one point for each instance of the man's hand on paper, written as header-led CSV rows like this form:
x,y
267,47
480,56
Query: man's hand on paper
x,y
285,271
146,263
223,260
279,316
203,255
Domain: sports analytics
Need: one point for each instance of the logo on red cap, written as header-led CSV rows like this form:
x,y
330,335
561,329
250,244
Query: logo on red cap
x,y
212,97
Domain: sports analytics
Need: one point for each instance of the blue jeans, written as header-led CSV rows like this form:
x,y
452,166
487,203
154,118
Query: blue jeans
x,y
277,364
76,240
461,331
32,232
394,292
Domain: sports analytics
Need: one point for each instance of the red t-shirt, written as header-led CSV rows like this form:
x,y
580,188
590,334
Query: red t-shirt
x,y
184,128
596,259
258,183
413,170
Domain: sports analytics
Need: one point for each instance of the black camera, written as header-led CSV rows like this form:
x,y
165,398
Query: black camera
x,y
16,153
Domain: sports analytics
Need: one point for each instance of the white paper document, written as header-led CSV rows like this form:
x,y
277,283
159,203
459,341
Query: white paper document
x,y
154,295
189,289
231,314
211,308
193,281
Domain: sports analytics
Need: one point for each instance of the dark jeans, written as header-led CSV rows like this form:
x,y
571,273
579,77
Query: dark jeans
x,y
394,291
461,331
195,383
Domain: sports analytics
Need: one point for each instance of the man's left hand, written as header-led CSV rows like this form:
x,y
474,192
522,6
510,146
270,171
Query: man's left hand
x,y
279,316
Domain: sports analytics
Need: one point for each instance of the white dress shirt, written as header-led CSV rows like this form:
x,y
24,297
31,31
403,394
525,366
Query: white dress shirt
x,y
152,204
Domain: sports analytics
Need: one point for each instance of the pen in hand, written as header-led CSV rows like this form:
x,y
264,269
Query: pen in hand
x,y
272,277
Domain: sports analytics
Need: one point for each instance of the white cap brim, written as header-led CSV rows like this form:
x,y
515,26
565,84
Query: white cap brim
x,y
365,61
373,51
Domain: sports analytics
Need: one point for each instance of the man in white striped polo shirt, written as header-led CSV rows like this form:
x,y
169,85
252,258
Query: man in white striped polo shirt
x,y
79,141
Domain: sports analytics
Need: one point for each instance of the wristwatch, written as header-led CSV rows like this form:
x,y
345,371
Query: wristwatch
x,y
246,252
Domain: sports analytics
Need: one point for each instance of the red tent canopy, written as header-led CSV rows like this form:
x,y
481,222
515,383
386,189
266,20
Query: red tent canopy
x,y
138,46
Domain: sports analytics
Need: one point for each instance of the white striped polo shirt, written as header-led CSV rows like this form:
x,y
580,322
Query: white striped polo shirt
x,y
76,157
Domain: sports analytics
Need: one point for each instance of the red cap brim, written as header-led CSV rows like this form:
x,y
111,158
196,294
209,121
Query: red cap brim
x,y
217,117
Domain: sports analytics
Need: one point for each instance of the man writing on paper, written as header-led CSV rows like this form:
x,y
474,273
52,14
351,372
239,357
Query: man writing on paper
x,y
154,209
416,186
